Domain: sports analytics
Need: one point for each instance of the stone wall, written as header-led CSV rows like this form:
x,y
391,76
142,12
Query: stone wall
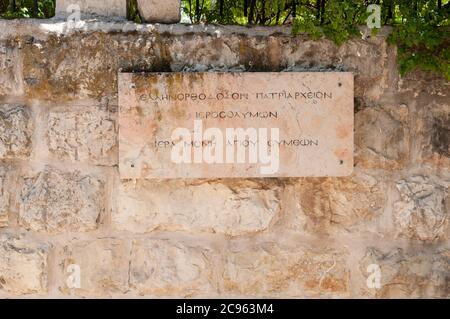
x,y
62,202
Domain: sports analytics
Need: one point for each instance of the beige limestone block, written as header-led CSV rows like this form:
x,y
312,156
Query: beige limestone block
x,y
23,265
423,210
407,273
88,135
342,205
278,270
170,268
102,265
56,202
207,207
15,131
382,137
10,71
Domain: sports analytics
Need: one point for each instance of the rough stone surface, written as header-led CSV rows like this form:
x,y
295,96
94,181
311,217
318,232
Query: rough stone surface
x,y
68,66
382,137
431,134
407,274
329,205
269,237
10,76
54,201
15,131
23,265
233,209
103,265
160,11
167,268
84,136
109,8
272,270
423,209
4,196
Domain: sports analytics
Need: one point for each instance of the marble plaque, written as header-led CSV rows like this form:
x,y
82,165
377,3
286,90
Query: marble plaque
x,y
219,125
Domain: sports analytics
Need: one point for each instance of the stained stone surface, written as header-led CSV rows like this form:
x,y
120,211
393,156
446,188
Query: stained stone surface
x,y
10,76
23,265
63,203
87,135
278,270
54,201
15,131
423,211
313,113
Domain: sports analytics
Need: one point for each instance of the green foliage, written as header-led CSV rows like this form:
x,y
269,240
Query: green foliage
x,y
423,37
133,11
12,9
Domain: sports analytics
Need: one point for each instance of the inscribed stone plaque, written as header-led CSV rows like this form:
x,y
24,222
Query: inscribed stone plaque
x,y
211,125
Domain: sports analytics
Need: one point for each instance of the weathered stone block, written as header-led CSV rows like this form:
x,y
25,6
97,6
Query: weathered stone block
x,y
63,68
53,201
408,274
418,82
172,269
4,196
423,211
15,131
330,205
110,8
272,270
382,137
160,11
23,265
431,134
10,72
206,207
103,266
85,136
367,59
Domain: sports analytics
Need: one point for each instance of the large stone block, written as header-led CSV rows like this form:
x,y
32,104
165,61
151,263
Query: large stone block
x,y
10,71
367,59
431,135
382,137
273,270
15,131
407,273
342,205
236,209
161,268
23,265
55,202
160,11
88,135
423,210
62,68
102,266
110,8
